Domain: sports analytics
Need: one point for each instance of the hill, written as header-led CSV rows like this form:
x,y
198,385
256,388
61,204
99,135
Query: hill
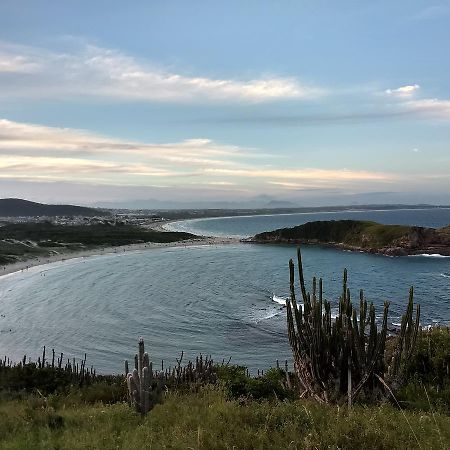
x,y
24,241
367,236
16,207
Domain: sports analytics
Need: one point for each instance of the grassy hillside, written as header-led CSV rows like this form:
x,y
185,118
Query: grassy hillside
x,y
23,241
208,419
364,235
47,408
351,232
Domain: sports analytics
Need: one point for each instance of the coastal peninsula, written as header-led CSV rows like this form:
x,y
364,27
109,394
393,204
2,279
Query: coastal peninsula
x,y
366,236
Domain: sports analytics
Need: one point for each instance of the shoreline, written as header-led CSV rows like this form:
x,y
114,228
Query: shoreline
x,y
332,211
21,266
383,251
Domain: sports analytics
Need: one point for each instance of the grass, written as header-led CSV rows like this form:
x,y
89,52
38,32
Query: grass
x,y
360,233
89,235
44,408
16,239
47,408
208,419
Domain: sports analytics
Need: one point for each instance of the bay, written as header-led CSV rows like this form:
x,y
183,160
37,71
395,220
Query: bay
x,y
222,300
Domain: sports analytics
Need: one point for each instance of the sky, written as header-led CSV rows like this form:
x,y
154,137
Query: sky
x,y
313,102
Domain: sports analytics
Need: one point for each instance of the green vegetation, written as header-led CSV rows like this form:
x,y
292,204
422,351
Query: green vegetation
x,y
88,235
208,419
237,410
427,373
28,240
11,251
351,232
363,235
346,356
200,405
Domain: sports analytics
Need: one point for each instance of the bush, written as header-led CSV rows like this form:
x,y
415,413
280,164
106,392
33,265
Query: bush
x,y
431,360
238,384
48,380
428,373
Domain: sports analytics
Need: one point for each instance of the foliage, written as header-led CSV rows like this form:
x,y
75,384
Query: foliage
x,y
361,233
431,360
28,240
31,378
208,419
52,377
89,235
341,357
240,385
427,383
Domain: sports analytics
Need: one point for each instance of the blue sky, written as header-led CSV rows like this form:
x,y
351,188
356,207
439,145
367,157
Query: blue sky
x,y
311,101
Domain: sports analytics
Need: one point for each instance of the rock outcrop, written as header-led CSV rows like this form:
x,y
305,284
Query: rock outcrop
x,y
370,237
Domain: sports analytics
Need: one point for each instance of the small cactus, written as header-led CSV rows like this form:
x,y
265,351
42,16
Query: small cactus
x,y
144,390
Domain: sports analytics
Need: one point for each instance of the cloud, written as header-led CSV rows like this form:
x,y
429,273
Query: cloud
x,y
430,107
27,138
31,152
404,90
98,72
404,105
426,107
305,174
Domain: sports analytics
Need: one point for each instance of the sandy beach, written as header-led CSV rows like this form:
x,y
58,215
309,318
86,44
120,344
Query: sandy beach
x,y
64,256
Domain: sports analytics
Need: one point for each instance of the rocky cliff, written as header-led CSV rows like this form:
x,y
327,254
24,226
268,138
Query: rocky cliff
x,y
371,237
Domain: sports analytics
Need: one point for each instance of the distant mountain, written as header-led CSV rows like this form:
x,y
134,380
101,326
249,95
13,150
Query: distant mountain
x,y
261,201
15,207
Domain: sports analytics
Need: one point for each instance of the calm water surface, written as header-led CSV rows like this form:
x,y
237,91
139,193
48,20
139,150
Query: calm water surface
x,y
251,225
216,300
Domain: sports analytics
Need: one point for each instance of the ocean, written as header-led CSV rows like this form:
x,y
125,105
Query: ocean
x,y
223,300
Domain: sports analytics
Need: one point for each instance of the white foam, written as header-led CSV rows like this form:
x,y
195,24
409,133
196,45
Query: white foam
x,y
445,275
270,315
279,300
432,255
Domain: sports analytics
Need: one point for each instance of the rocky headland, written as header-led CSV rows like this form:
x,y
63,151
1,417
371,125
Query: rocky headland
x,y
366,236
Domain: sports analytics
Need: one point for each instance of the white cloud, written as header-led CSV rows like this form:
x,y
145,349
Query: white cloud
x,y
430,107
36,152
405,101
28,139
16,64
95,71
404,90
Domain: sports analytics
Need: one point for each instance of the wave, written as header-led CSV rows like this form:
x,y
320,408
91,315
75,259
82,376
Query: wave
x,y
279,300
445,275
432,255
268,316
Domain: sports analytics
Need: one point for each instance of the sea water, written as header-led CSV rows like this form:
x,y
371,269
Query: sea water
x,y
223,300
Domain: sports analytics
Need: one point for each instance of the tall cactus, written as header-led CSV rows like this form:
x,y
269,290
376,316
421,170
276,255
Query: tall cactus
x,y
335,359
405,343
143,390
